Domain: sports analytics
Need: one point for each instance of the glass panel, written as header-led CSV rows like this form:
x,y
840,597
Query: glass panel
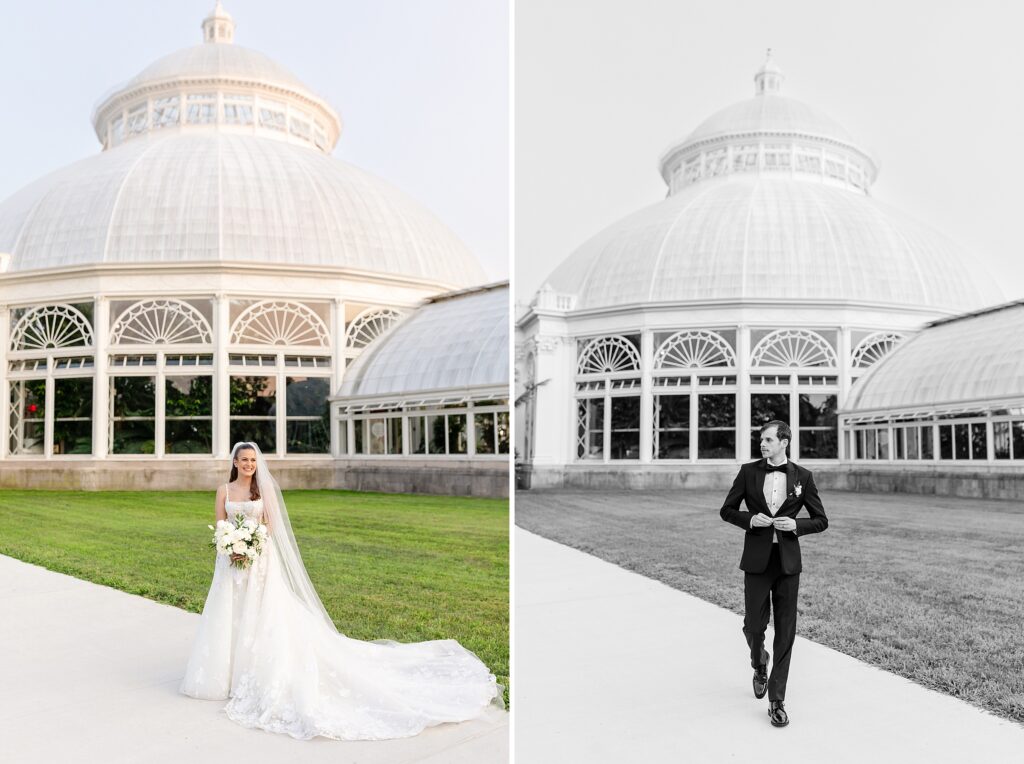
x,y
898,447
262,432
716,421
503,432
883,444
819,434
435,426
307,397
961,441
625,436
188,396
72,416
979,441
188,436
764,407
254,396
946,441
417,435
913,450
457,443
484,425
1018,440
869,444
927,443
27,416
377,431
590,428
134,397
672,427
395,435
858,440
360,435
1001,439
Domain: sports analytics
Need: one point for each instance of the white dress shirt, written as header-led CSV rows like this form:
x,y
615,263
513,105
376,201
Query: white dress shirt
x,y
775,493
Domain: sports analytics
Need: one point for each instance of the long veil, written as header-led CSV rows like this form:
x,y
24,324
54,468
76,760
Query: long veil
x,y
282,538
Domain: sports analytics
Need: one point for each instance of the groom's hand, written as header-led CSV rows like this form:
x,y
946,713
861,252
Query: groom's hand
x,y
784,524
760,520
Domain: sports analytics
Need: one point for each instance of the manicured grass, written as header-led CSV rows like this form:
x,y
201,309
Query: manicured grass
x,y
930,588
402,567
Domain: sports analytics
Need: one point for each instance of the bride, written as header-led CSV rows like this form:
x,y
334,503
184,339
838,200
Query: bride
x,y
266,643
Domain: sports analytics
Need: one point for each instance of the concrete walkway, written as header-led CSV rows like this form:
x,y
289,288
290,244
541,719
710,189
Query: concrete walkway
x,y
91,674
614,667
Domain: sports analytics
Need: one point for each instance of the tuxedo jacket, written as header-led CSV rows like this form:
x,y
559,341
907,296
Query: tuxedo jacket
x,y
757,544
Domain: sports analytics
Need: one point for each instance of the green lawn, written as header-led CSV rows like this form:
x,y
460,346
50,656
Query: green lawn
x,y
387,566
931,588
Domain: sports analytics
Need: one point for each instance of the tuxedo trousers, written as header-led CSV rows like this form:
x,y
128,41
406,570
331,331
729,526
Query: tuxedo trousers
x,y
764,593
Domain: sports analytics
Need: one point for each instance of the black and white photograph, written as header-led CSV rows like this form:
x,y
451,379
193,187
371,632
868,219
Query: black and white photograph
x,y
769,382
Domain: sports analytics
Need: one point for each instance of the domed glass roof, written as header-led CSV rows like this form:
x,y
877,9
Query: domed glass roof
x,y
455,341
972,359
768,201
217,154
206,196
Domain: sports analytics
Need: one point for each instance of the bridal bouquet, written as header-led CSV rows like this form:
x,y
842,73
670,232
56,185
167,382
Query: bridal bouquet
x,y
243,536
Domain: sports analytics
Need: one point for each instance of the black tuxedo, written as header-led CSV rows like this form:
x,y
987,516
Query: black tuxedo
x,y
770,569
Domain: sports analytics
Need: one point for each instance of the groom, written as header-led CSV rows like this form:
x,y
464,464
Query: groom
x,y
773,489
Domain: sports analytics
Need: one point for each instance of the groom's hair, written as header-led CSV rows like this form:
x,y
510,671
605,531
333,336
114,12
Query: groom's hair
x,y
782,431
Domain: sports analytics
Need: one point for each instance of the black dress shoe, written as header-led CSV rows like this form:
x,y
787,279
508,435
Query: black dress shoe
x,y
760,681
777,713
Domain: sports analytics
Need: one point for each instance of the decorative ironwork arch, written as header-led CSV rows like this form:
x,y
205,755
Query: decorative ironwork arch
x,y
794,347
875,347
51,326
158,322
604,355
369,325
276,322
694,349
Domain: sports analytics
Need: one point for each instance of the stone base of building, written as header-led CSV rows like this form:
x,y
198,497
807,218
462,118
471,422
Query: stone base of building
x,y
459,478
939,480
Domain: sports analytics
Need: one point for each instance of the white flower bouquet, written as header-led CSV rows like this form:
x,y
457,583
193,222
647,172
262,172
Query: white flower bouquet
x,y
244,536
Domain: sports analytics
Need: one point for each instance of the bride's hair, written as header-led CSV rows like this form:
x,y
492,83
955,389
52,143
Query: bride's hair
x,y
254,486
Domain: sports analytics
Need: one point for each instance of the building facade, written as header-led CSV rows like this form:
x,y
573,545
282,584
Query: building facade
x,y
205,278
765,285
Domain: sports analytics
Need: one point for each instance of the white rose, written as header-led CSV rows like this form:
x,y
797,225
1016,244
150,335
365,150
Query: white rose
x,y
250,553
238,547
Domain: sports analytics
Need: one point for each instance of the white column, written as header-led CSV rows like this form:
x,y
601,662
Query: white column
x,y
743,393
794,417
351,438
646,397
101,382
160,403
694,417
845,352
5,384
337,369
221,387
606,423
470,431
48,423
280,422
555,428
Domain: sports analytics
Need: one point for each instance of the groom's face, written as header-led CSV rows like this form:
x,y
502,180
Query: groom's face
x,y
771,447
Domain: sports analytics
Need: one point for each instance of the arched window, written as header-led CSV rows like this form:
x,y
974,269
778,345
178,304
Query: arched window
x,y
694,349
279,323
874,347
369,325
605,355
794,348
158,322
50,327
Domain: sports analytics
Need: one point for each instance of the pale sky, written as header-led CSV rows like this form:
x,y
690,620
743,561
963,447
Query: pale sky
x,y
421,87
932,89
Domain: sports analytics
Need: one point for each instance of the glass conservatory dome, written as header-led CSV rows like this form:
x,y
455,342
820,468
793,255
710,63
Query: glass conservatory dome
x,y
770,200
216,153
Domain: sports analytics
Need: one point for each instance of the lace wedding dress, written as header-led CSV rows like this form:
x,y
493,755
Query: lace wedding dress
x,y
283,669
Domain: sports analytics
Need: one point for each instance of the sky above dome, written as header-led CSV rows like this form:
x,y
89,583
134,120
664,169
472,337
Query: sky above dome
x,y
422,89
928,88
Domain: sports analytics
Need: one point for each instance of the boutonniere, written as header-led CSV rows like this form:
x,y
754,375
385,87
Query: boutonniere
x,y
797,490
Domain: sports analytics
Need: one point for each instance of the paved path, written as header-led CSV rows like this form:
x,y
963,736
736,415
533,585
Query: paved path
x,y
91,674
614,667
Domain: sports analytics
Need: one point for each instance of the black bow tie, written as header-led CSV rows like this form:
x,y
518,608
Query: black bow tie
x,y
774,468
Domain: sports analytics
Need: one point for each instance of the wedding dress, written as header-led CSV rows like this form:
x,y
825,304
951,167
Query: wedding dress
x,y
278,659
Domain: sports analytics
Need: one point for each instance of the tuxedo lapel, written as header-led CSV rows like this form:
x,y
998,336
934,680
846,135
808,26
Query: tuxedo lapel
x,y
760,475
